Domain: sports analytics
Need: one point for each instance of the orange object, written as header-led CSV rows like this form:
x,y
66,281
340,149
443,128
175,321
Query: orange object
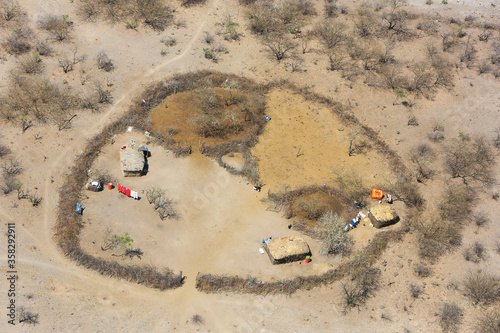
x,y
128,192
119,188
110,186
307,260
377,194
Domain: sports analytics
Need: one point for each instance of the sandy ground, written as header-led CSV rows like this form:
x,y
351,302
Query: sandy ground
x,y
71,298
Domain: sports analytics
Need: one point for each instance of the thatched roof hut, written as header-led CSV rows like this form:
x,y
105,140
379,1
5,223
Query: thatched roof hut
x,y
287,249
132,162
382,216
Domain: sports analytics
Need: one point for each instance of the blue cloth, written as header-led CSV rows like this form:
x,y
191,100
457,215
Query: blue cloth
x,y
78,208
267,118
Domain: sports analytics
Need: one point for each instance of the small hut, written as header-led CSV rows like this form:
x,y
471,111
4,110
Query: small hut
x,y
132,161
287,249
383,216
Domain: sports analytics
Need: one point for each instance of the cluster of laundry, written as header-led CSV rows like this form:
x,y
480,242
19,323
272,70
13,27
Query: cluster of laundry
x,y
128,192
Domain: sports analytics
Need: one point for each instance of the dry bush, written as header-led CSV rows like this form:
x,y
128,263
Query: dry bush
x,y
264,18
104,62
102,94
11,167
415,290
275,17
366,22
391,77
310,202
352,185
428,25
481,287
189,3
27,317
154,13
9,10
30,64
422,270
496,139
422,156
19,41
57,26
435,237
330,228
163,205
450,317
495,53
89,9
443,71
331,8
448,40
43,48
469,53
480,219
197,319
475,252
395,18
38,98
437,133
484,66
423,79
363,283
279,46
312,209
405,190
357,141
10,184
488,322
337,59
330,33
470,160
370,54
456,203
4,150
66,64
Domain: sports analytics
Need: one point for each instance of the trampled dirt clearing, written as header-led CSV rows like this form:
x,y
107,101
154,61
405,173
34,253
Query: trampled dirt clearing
x,y
221,223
